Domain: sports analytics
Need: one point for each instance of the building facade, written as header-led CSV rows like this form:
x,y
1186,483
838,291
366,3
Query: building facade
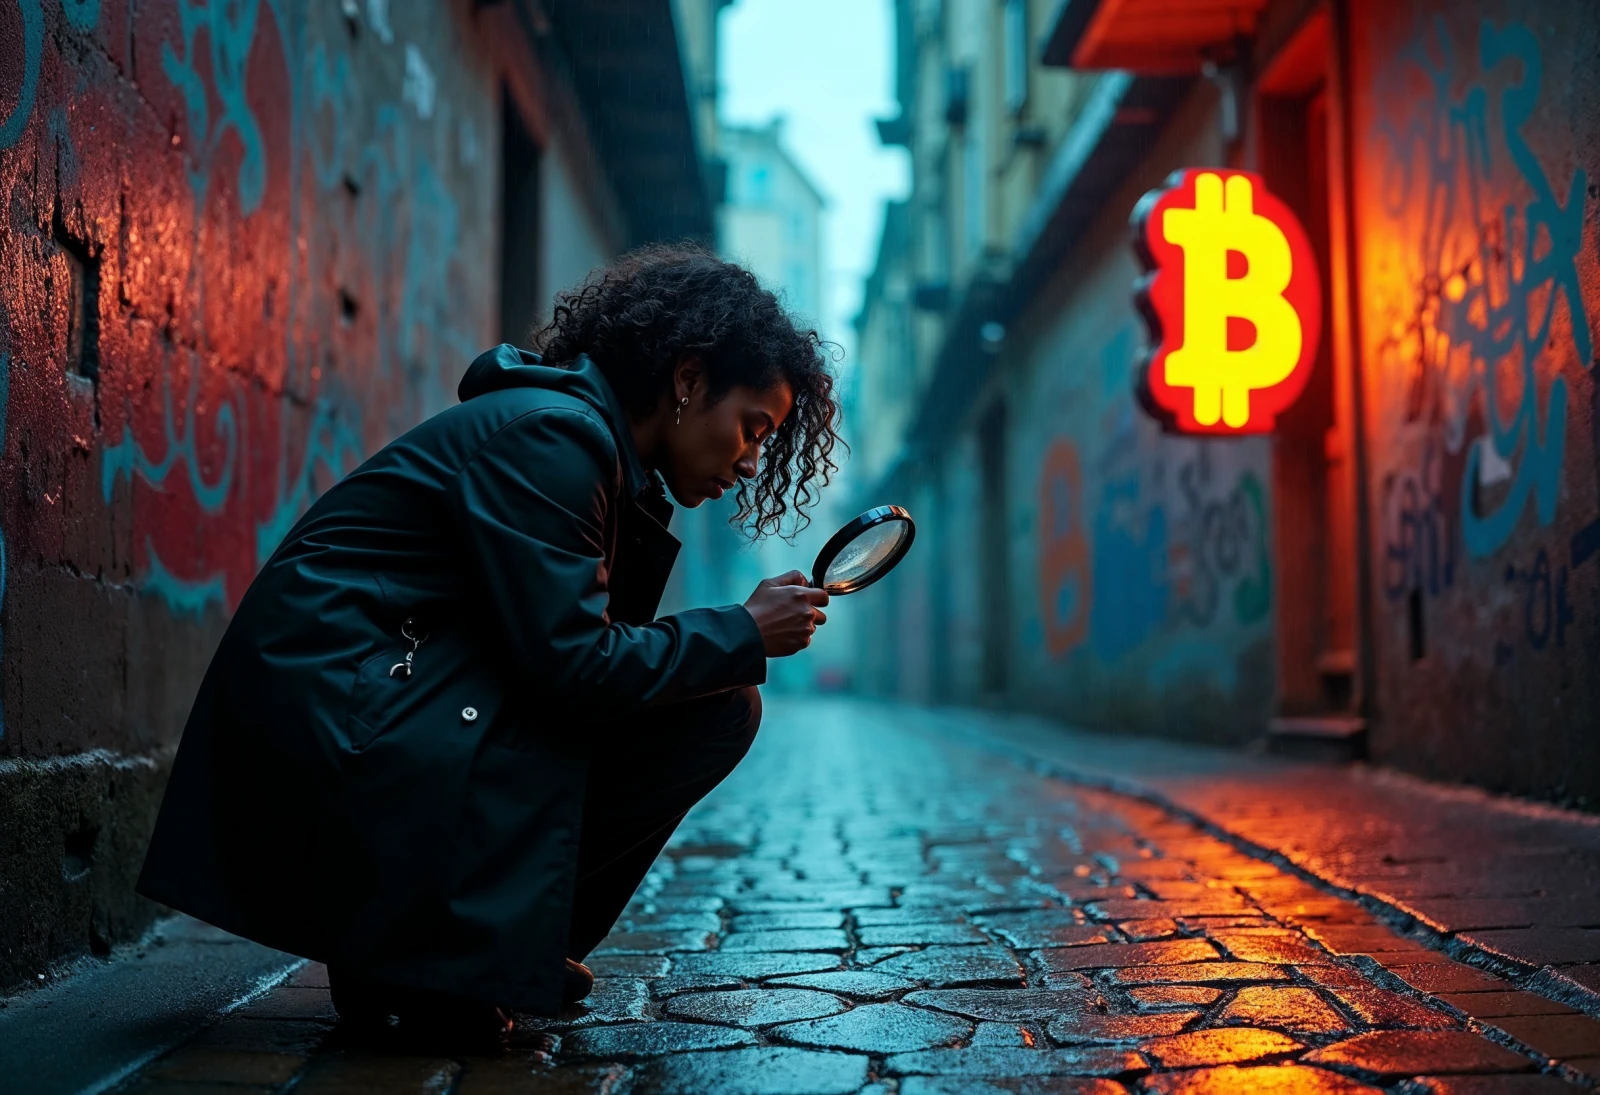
x,y
771,222
1406,565
771,219
243,246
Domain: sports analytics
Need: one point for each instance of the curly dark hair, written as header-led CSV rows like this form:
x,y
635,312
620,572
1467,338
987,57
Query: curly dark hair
x,y
640,316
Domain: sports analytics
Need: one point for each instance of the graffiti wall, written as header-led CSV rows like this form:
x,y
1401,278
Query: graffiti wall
x,y
1478,185
1143,569
1146,577
243,244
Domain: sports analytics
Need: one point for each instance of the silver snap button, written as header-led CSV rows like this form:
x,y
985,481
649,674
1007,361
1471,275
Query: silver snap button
x,y
469,714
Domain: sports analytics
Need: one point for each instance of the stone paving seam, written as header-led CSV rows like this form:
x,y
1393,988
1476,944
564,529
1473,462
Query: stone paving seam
x,y
1529,978
1485,1027
1397,920
263,986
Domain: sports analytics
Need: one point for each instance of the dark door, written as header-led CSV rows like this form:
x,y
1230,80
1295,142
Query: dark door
x,y
520,306
1313,479
994,549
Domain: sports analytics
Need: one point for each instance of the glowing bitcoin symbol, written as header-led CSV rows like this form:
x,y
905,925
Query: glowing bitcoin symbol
x,y
1224,220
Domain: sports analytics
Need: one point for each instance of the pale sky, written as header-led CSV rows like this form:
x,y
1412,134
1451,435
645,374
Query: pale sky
x,y
827,67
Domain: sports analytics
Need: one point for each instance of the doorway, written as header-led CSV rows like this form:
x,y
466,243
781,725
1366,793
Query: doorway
x,y
1314,473
520,306
994,549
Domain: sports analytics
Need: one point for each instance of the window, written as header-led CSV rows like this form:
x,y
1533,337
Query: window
x,y
758,185
972,194
1016,54
936,258
799,287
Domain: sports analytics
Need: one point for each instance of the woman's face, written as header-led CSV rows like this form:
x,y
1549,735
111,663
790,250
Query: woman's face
x,y
719,443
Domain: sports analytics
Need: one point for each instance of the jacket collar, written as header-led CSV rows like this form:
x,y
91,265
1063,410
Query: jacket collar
x,y
635,479
507,366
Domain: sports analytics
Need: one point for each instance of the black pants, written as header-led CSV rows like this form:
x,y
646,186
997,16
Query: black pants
x,y
636,797
634,800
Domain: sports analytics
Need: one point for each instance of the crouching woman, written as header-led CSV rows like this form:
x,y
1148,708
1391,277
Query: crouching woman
x,y
444,735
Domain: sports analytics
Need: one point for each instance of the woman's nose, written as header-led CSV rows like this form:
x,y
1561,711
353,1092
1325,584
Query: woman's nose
x,y
745,466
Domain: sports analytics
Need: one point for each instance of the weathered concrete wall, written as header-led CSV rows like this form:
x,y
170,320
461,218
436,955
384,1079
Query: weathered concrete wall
x,y
243,244
1477,144
574,236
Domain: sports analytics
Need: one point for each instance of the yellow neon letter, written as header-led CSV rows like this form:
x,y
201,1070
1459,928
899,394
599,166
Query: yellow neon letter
x,y
1222,379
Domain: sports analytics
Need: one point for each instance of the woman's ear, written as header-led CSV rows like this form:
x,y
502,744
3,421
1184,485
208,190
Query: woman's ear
x,y
687,377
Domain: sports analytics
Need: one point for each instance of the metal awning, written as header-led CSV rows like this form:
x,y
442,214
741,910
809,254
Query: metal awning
x,y
1165,37
628,70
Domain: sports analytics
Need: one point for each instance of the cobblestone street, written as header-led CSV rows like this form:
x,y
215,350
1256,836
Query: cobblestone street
x,y
871,905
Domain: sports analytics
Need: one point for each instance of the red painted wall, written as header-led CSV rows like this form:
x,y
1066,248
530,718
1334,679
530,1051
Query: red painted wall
x,y
241,245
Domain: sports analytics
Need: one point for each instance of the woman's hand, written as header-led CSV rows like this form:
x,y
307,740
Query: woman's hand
x,y
786,610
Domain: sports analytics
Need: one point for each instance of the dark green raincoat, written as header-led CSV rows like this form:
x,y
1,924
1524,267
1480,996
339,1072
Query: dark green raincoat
x,y
422,827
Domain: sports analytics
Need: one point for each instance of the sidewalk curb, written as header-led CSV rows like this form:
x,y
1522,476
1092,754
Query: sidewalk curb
x,y
1545,981
102,1020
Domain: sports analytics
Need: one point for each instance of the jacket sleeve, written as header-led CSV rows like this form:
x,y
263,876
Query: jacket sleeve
x,y
532,504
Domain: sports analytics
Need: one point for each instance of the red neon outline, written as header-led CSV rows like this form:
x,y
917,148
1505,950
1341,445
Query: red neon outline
x,y
1159,295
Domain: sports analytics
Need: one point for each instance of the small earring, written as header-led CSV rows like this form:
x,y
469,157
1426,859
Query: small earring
x,y
681,405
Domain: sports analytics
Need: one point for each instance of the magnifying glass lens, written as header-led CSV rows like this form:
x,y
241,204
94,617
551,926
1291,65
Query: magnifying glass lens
x,y
865,554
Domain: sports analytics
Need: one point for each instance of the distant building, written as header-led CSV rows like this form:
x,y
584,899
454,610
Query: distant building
x,y
772,219
770,222
882,375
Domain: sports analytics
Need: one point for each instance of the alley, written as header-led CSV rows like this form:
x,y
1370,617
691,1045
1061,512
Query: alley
x,y
883,902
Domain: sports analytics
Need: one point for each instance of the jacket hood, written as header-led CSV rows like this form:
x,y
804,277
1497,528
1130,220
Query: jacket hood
x,y
507,366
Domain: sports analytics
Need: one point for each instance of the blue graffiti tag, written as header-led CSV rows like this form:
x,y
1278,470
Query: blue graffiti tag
x,y
409,203
1419,551
331,444
81,14
32,53
1539,473
231,41
127,457
1130,570
182,597
1481,300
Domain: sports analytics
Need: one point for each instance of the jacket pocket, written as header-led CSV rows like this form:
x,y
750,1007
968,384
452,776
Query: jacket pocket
x,y
372,698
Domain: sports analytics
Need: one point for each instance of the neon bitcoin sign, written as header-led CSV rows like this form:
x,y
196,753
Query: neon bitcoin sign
x,y
1232,299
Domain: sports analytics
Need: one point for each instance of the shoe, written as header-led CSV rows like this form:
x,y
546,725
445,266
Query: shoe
x,y
578,984
464,1027
363,1006
374,1012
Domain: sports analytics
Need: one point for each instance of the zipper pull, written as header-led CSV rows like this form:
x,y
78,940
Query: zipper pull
x,y
415,634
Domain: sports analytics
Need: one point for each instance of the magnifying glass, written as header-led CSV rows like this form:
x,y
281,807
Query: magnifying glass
x,y
863,551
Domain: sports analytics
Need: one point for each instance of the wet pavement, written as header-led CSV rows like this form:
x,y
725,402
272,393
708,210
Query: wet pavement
x,y
1512,885
875,905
